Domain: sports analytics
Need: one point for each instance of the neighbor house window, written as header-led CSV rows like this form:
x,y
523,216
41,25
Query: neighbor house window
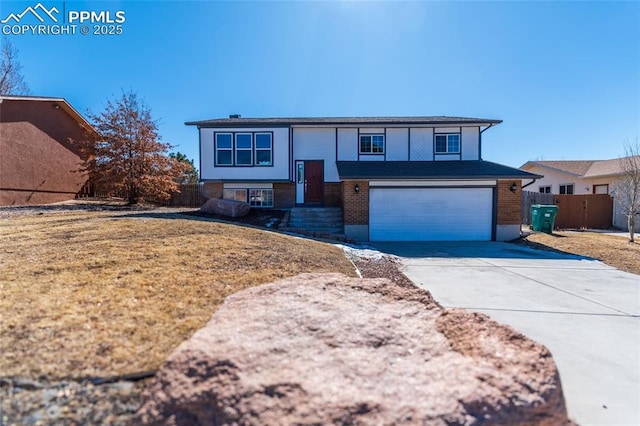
x,y
224,149
244,149
264,149
261,197
448,143
371,144
566,189
235,194
545,189
601,189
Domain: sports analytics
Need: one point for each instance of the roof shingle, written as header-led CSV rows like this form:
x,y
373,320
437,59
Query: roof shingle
x,y
308,121
453,170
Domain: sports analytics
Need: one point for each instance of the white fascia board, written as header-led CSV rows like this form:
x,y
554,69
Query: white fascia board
x,y
428,183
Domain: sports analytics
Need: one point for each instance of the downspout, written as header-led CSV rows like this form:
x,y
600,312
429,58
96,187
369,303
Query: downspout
x,y
480,139
530,183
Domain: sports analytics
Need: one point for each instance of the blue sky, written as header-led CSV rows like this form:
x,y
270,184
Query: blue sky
x,y
563,76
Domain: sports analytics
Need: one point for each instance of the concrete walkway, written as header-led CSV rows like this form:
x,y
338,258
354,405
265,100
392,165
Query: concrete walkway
x,y
585,312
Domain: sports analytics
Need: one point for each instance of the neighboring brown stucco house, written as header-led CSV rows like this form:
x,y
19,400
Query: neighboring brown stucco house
x,y
39,154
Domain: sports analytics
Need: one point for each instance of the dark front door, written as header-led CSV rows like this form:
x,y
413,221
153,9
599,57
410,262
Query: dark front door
x,y
313,182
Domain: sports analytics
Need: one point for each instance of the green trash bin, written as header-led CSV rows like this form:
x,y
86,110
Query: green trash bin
x,y
543,217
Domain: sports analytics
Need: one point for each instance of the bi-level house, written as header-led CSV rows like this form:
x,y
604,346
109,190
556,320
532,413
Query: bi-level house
x,y
395,178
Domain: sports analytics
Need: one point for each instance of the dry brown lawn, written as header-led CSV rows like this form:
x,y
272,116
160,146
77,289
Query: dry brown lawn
x,y
612,250
100,294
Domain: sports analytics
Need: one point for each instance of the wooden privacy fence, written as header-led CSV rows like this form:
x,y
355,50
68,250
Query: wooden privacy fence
x,y
190,195
593,211
528,199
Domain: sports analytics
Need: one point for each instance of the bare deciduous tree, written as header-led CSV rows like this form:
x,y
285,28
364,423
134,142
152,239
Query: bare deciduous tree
x,y
129,159
11,79
628,186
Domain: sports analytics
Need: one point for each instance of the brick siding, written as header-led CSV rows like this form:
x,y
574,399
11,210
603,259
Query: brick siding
x,y
509,203
333,194
355,205
284,195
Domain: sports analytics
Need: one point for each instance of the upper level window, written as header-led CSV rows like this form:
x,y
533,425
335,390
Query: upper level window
x,y
224,149
545,189
371,144
566,189
264,149
244,149
448,143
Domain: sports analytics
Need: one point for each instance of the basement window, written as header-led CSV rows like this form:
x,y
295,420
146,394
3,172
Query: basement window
x,y
261,197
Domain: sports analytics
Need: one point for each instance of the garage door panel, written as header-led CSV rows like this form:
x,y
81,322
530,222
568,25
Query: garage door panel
x,y
430,214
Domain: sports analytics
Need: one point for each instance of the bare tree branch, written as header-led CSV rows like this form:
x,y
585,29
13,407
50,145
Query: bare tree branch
x,y
628,186
11,78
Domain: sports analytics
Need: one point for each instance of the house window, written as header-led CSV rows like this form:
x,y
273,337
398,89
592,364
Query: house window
x,y
261,197
371,144
566,189
448,143
601,189
235,194
545,189
244,149
224,149
264,149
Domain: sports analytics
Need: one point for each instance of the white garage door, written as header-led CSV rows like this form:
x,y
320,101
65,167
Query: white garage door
x,y
430,214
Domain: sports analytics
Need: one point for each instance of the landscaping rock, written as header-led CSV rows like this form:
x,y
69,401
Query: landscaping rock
x,y
222,207
327,349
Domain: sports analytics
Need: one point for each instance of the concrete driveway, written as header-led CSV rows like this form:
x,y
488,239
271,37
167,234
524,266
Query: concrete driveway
x,y
585,312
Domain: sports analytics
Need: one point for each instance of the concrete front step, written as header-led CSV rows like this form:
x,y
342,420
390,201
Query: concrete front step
x,y
317,219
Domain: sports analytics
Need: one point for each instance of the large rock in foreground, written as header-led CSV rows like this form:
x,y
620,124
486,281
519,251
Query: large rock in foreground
x,y
230,208
327,349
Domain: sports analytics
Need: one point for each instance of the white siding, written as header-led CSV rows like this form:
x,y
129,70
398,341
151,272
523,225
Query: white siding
x,y
447,129
367,130
281,161
447,157
421,144
470,143
397,144
347,144
557,178
317,144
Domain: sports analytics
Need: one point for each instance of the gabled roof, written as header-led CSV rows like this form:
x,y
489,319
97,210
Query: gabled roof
x,y
322,121
66,106
450,170
577,168
581,168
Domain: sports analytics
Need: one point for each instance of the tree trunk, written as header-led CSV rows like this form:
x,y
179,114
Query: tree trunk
x,y
631,222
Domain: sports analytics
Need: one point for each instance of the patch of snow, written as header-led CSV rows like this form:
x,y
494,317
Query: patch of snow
x,y
363,252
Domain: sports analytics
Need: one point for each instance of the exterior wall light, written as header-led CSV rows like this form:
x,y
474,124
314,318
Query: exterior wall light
x,y
356,188
513,187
